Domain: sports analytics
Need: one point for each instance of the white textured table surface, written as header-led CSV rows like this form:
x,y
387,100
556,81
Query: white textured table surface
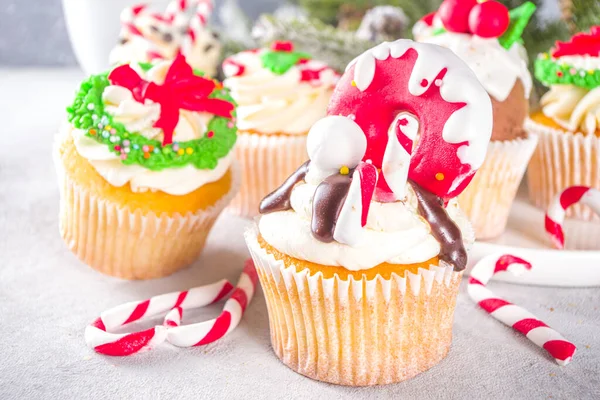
x,y
47,297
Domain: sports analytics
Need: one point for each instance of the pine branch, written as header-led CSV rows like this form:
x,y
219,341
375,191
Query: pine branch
x,y
324,42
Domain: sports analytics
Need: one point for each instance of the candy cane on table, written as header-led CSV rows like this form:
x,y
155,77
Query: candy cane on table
x,y
99,337
128,17
555,216
512,315
208,331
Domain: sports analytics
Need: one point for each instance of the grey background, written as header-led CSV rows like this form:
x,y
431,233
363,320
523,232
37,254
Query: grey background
x,y
32,32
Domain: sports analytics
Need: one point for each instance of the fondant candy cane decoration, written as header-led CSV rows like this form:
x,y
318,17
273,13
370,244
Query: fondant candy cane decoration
x,y
431,83
511,315
98,335
207,332
555,216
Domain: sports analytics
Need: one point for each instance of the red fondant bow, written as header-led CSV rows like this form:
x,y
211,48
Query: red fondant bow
x,y
182,90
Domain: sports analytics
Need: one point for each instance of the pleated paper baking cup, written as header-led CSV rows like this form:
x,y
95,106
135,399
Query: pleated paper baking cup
x,y
357,332
131,244
265,161
490,195
563,159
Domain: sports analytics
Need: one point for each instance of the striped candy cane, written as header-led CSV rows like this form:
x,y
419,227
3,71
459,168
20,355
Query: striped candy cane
x,y
555,216
208,331
98,335
511,315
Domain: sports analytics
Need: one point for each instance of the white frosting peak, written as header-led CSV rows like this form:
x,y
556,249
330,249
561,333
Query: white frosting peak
x,y
289,103
496,68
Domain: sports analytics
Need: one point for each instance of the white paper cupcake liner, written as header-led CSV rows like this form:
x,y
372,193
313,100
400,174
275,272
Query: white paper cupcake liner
x,y
563,159
265,162
357,332
488,198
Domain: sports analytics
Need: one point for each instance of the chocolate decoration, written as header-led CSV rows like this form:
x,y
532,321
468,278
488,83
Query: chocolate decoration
x,y
327,205
431,207
279,200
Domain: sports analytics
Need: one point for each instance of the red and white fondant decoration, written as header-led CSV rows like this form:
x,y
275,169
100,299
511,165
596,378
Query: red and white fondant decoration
x,y
512,315
176,21
398,91
99,334
555,216
209,331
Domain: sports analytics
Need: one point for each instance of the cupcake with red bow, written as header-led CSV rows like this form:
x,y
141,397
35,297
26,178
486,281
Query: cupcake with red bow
x,y
568,124
360,251
280,94
486,36
145,167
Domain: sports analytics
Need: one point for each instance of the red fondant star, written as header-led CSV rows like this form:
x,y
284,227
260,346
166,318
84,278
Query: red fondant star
x,y
182,90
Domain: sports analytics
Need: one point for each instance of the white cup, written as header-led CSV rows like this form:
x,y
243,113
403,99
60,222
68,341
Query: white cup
x,y
94,26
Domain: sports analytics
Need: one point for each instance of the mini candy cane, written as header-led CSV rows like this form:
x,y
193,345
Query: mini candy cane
x,y
555,215
208,331
99,338
514,316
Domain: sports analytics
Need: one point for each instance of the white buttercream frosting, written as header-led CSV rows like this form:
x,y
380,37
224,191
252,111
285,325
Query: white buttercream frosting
x,y
269,103
394,233
140,118
496,67
572,107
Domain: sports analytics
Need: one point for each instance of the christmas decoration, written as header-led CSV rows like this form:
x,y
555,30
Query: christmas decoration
x,y
182,90
88,114
383,23
454,14
489,19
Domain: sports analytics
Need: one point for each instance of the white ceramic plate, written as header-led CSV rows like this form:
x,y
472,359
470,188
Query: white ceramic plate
x,y
525,237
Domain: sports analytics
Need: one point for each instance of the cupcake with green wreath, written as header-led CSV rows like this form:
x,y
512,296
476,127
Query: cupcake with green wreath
x,y
145,167
568,122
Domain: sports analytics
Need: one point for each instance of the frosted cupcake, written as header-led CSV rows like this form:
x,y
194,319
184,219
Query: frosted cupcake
x,y
360,251
280,94
145,168
147,36
485,35
568,123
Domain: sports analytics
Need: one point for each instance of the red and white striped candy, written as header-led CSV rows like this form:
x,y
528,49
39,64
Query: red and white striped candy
x,y
208,331
98,335
512,315
555,216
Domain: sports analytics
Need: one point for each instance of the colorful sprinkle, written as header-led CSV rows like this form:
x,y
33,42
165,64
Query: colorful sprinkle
x,y
181,152
559,74
123,156
189,151
146,155
126,143
113,131
107,128
175,147
127,150
136,146
93,132
424,82
145,148
105,134
210,134
94,117
117,148
156,151
230,124
90,106
439,176
354,83
344,170
438,82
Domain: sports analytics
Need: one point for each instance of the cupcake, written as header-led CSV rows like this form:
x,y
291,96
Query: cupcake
x,y
147,36
485,36
568,123
360,251
145,167
280,93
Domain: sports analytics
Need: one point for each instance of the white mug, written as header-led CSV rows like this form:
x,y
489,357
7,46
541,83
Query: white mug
x,y
94,26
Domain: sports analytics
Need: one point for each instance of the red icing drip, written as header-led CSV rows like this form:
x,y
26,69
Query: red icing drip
x,y
181,90
375,110
424,83
580,45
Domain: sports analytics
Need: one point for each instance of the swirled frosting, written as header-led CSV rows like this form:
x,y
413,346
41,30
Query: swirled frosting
x,y
574,108
496,68
140,118
269,103
395,232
